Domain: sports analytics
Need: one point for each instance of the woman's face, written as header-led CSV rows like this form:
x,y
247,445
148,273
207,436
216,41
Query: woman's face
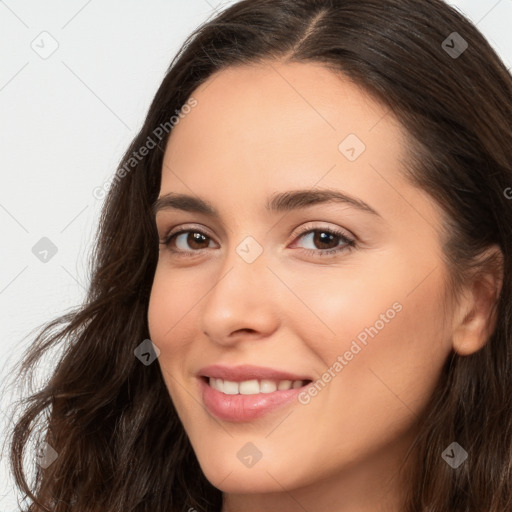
x,y
345,294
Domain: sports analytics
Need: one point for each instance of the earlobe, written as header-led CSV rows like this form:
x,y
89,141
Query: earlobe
x,y
477,311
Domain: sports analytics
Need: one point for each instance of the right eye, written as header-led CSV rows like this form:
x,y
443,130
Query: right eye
x,y
187,241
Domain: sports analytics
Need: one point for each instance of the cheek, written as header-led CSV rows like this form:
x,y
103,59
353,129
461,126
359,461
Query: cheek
x,y
171,306
389,334
172,322
392,358
172,328
332,306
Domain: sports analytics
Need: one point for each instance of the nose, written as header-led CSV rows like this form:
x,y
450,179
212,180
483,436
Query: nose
x,y
242,302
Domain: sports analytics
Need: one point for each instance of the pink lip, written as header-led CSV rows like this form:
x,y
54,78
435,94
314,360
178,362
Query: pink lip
x,y
247,372
243,407
239,407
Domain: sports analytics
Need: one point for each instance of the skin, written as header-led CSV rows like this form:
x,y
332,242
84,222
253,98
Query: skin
x,y
262,129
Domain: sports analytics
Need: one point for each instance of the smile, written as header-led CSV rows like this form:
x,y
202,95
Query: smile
x,y
253,386
247,400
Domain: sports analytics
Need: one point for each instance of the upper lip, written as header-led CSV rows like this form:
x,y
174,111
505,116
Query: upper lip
x,y
247,372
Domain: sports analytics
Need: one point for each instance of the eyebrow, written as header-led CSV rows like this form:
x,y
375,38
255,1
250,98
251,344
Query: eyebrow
x,y
278,202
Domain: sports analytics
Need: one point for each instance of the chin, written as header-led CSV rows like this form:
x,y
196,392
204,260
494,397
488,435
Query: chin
x,y
264,477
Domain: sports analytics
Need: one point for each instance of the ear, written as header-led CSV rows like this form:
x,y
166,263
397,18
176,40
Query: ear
x,y
475,319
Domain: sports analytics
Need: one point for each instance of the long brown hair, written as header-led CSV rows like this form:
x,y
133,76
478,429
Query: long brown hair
x,y
109,418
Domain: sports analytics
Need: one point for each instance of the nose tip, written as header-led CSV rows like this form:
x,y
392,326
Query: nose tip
x,y
239,305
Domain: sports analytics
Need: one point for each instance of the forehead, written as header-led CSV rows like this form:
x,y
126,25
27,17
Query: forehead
x,y
277,126
268,119
277,102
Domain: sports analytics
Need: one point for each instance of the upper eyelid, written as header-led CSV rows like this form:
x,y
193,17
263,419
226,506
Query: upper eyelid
x,y
310,226
185,228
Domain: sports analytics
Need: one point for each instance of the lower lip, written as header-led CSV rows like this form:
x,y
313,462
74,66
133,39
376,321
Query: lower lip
x,y
244,407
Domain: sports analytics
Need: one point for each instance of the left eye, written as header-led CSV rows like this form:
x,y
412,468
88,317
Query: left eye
x,y
325,241
320,238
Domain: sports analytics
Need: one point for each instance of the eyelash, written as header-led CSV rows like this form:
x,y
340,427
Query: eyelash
x,y
349,242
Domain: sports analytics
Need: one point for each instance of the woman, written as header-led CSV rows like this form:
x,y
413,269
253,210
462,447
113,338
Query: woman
x,y
219,363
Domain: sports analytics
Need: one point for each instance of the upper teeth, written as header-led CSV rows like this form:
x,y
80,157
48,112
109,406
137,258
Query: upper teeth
x,y
253,387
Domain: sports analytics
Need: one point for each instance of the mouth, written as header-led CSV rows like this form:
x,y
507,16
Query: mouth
x,y
245,393
253,386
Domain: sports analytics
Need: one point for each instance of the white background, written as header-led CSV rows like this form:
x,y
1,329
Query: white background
x,y
65,123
